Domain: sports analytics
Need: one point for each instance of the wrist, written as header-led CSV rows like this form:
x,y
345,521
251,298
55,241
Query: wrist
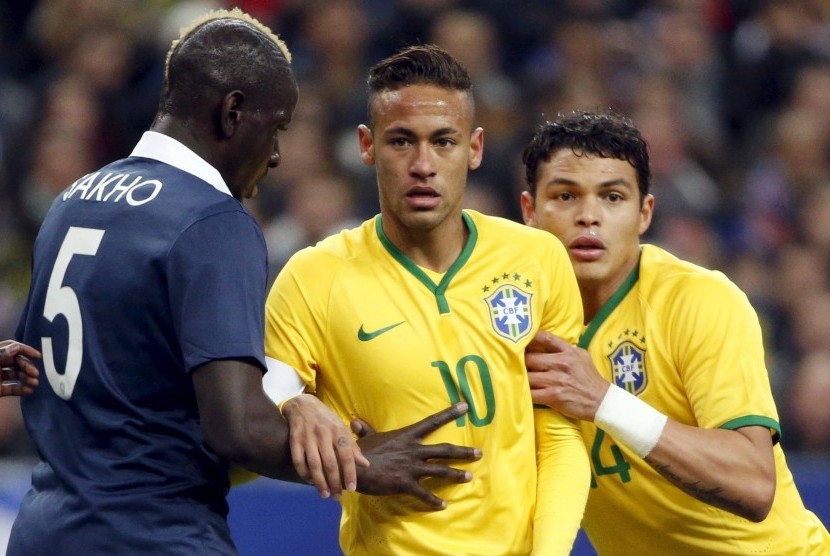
x,y
631,421
285,405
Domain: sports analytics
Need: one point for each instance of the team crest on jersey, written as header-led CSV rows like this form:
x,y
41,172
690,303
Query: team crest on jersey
x,y
628,365
510,312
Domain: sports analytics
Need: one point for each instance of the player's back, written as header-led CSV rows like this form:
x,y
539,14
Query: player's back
x,y
115,419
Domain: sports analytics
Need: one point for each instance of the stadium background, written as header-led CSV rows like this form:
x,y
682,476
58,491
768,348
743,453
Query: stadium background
x,y
733,97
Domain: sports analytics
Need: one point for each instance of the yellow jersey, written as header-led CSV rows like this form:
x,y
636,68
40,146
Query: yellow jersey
x,y
686,341
377,337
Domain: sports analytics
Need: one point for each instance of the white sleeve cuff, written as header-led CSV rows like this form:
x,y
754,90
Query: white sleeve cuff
x,y
282,381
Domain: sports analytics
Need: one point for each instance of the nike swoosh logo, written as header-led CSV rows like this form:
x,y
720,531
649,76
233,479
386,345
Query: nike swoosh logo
x,y
364,336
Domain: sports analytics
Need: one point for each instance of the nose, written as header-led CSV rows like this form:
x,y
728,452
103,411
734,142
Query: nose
x,y
588,213
422,165
274,160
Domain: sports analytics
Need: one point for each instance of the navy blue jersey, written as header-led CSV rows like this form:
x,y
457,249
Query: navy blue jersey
x,y
142,271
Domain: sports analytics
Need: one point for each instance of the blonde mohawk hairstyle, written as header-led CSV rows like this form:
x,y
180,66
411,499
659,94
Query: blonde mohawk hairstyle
x,y
234,13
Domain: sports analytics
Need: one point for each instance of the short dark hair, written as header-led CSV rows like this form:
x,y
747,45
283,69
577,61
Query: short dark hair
x,y
418,64
603,134
224,53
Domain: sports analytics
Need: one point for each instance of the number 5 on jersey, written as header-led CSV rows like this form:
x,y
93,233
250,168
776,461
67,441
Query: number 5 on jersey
x,y
61,300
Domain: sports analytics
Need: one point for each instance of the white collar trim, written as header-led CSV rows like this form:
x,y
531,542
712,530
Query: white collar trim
x,y
164,148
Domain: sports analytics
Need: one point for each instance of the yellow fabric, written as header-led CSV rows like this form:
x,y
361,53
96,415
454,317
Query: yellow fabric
x,y
702,365
240,475
428,339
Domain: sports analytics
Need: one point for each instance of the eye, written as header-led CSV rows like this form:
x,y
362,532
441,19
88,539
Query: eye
x,y
445,142
615,197
565,196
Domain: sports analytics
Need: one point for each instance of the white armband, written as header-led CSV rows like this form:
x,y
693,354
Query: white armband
x,y
630,420
282,382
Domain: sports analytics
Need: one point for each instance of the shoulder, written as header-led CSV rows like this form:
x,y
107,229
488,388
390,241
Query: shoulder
x,y
494,231
675,282
335,251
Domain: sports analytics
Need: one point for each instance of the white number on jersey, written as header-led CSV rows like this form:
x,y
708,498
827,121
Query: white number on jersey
x,y
61,300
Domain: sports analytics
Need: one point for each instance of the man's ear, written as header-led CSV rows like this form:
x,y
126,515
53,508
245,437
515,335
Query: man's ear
x,y
476,149
230,116
646,212
528,209
367,145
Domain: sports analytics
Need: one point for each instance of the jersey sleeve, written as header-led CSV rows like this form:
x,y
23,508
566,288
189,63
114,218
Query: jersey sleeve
x,y
564,473
295,315
719,351
216,276
564,479
563,311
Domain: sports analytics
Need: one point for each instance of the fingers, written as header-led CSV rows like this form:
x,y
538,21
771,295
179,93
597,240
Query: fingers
x,y
9,349
536,362
441,472
427,497
19,376
446,451
437,420
349,456
546,342
28,371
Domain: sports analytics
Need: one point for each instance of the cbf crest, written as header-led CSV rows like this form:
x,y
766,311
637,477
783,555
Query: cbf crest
x,y
510,311
628,366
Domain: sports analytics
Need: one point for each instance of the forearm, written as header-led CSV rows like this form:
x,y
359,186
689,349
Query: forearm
x,y
262,445
238,420
731,470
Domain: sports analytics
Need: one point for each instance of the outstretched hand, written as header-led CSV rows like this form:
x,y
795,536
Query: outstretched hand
x,y
19,374
563,376
323,450
399,459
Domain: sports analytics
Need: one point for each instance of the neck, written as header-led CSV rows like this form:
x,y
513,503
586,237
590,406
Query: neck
x,y
435,249
184,134
596,293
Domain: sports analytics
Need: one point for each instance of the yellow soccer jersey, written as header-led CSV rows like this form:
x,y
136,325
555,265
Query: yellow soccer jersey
x,y
686,341
377,337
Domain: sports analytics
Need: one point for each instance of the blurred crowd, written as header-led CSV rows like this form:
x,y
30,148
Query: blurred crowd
x,y
733,98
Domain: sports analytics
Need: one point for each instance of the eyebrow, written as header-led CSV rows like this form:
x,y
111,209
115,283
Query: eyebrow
x,y
406,132
571,183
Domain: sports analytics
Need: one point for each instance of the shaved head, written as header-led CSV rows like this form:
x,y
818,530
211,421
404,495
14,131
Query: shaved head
x,y
223,51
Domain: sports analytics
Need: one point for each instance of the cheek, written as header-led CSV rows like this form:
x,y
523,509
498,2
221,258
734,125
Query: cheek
x,y
553,221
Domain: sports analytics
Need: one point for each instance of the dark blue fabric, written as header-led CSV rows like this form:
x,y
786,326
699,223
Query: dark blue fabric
x,y
178,279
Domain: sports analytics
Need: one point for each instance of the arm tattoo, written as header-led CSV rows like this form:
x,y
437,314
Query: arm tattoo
x,y
712,496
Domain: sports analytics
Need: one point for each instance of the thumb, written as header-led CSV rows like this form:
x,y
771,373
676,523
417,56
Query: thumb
x,y
361,428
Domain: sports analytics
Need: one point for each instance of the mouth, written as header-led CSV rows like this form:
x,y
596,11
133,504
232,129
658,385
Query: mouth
x,y
586,248
423,197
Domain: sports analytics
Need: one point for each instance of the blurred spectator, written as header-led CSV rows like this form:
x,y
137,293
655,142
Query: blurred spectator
x,y
316,207
807,402
781,176
473,38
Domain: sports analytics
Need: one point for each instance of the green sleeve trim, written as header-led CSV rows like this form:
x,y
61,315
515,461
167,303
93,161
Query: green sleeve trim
x,y
755,421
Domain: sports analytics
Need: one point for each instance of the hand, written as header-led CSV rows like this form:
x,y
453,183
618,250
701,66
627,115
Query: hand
x,y
399,460
563,376
321,446
19,376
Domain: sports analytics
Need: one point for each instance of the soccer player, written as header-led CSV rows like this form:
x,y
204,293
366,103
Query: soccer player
x,y
146,301
426,304
672,393
19,375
